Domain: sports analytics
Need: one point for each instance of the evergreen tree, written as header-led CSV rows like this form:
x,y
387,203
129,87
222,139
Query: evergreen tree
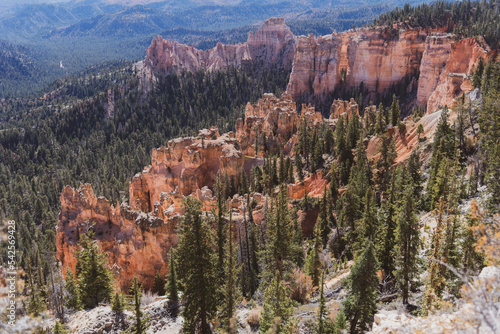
x,y
277,307
436,280
314,266
73,298
384,163
395,111
340,322
317,158
299,167
414,166
297,240
420,130
278,247
94,276
283,172
230,288
349,213
369,223
140,325
195,258
353,133
323,323
253,251
172,286
360,303
443,148
380,120
159,285
60,328
244,189
407,243
291,178
221,195
334,182
472,259
304,141
117,305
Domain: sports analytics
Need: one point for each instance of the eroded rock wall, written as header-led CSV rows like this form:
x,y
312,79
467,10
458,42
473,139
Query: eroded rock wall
x,y
273,43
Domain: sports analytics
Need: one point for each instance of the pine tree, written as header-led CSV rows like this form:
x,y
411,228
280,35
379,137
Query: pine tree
x,y
117,305
472,259
283,172
73,299
478,74
230,287
172,286
299,167
195,260
159,285
420,130
317,158
395,111
290,177
368,224
297,240
94,276
277,307
353,133
340,322
407,243
60,328
323,323
443,148
221,196
334,182
244,189
253,251
436,280
279,235
350,211
384,163
360,303
380,120
314,266
414,166
135,291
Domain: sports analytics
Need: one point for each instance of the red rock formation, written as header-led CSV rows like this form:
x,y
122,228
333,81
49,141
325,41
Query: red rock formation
x,y
436,53
343,108
272,43
376,57
455,77
137,235
277,119
128,236
146,228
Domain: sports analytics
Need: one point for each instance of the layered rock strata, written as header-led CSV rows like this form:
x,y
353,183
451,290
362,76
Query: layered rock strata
x,y
276,120
377,57
343,108
137,235
273,43
455,78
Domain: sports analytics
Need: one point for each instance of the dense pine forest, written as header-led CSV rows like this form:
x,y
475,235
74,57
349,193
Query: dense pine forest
x,y
371,248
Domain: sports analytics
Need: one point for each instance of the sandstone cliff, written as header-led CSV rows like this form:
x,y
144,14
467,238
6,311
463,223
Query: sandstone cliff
x,y
455,78
275,118
273,43
138,235
429,62
376,57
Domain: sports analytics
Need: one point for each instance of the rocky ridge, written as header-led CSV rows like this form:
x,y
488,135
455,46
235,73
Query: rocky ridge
x,y
145,227
429,62
272,44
